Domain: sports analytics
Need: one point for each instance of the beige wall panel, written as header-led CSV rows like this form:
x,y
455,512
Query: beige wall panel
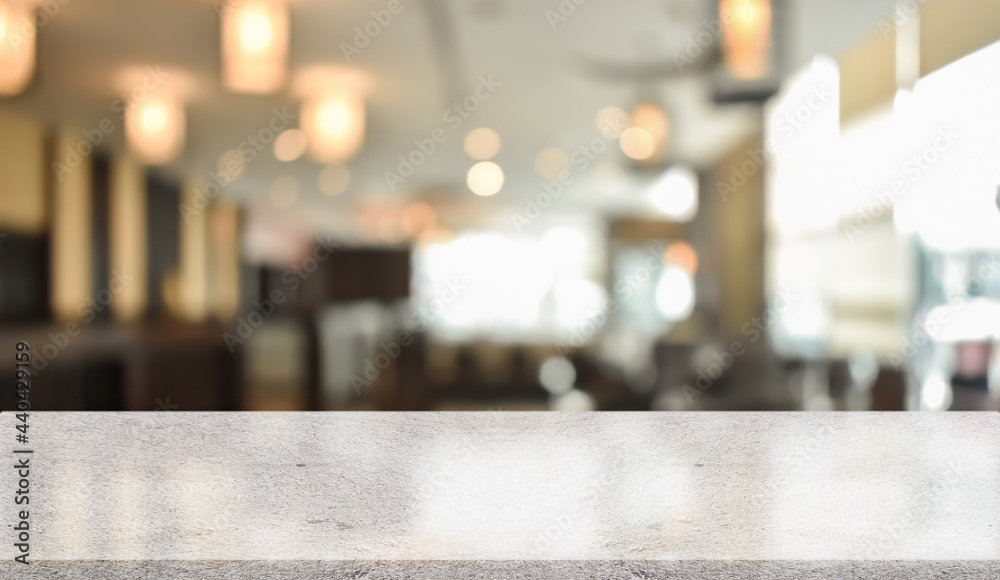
x,y
71,241
951,29
22,174
128,236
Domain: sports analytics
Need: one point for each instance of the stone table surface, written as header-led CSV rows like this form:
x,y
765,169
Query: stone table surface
x,y
507,495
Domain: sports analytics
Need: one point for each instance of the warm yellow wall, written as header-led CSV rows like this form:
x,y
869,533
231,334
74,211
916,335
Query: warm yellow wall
x,y
194,291
71,247
737,221
22,174
226,260
867,74
951,29
127,235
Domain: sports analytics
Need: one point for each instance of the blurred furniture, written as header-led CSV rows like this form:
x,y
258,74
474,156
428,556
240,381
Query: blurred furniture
x,y
145,367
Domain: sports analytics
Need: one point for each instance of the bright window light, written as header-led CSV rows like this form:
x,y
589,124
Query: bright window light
x,y
935,394
675,293
949,167
535,288
676,194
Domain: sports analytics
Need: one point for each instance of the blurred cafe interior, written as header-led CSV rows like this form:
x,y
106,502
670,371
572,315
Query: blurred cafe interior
x,y
501,204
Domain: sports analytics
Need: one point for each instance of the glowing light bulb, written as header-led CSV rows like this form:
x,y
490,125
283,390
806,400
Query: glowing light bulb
x,y
746,35
290,145
154,128
154,118
637,143
335,125
653,120
482,143
17,51
333,116
255,46
255,31
485,178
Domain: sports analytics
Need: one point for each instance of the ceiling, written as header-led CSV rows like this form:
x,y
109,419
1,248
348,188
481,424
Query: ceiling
x,y
430,55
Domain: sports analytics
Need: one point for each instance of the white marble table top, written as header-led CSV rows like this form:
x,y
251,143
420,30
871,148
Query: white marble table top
x,y
661,494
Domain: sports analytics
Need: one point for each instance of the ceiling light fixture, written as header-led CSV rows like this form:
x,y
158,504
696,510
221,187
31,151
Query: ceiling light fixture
x,y
255,45
17,45
335,124
746,37
333,111
154,127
